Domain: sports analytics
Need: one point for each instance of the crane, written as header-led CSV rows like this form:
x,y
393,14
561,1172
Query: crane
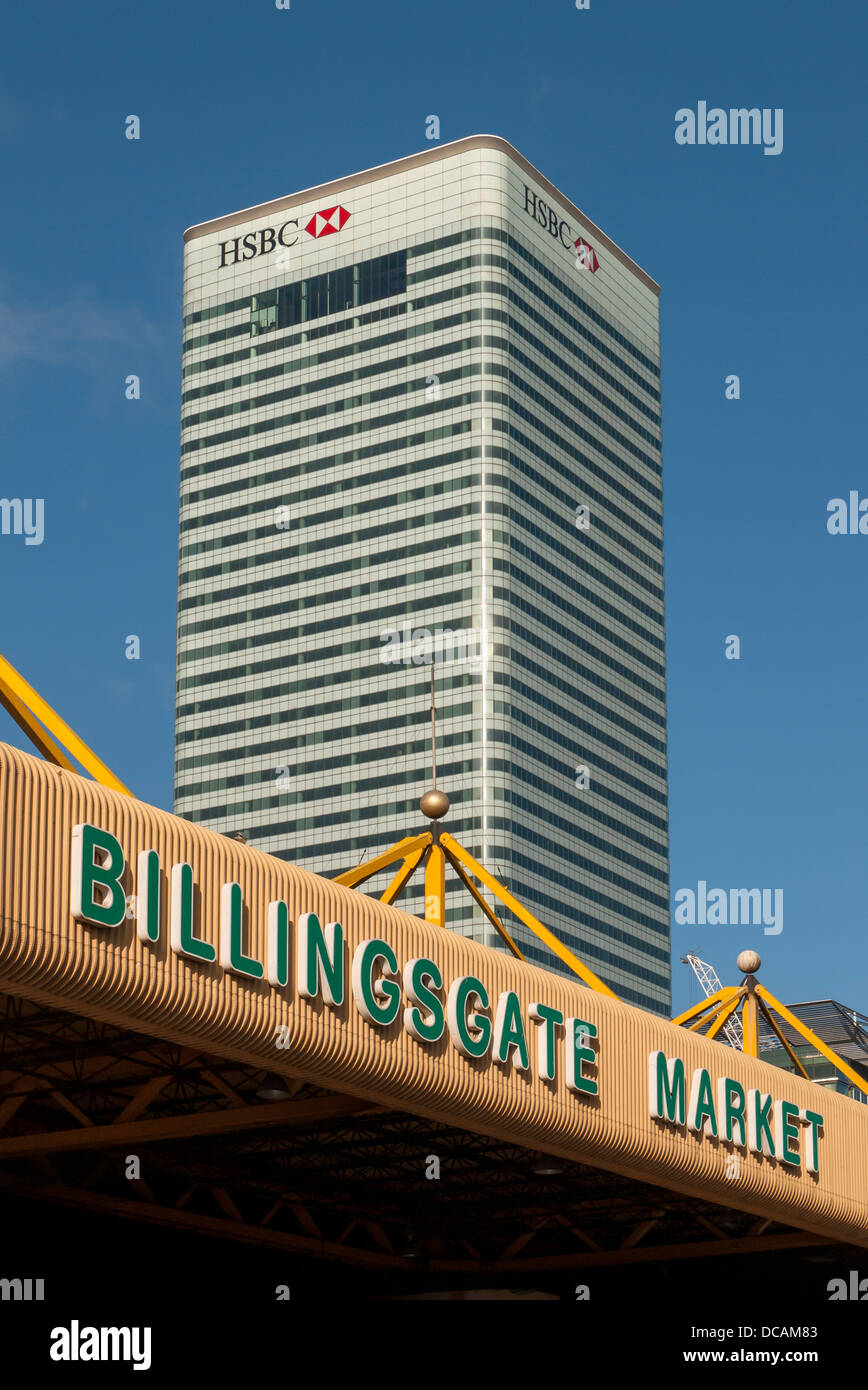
x,y
708,979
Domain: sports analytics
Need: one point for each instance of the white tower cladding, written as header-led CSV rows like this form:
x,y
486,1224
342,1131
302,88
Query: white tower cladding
x,y
421,422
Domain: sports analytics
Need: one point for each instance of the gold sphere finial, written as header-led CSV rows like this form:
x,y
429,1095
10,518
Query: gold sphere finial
x,y
434,804
749,962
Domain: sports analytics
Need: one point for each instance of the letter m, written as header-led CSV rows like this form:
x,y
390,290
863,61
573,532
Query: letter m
x,y
666,1087
10,508
6,1287
744,126
745,907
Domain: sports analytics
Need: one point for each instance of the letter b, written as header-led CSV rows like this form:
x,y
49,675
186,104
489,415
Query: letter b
x,y
97,867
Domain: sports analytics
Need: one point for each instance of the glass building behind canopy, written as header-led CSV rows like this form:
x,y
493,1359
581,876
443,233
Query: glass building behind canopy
x,y
421,421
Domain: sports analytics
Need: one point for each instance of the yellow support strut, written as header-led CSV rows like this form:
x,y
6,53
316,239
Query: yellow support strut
x,y
31,712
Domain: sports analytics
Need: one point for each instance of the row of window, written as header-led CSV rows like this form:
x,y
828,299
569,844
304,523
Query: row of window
x,y
569,291
572,642
386,584
363,647
591,541
390,366
431,356
384,694
346,565
580,809
532,505
313,738
567,918
592,731
450,743
363,785
348,705
345,788
380,343
570,637
380,725
382,613
282,748
493,508
437,406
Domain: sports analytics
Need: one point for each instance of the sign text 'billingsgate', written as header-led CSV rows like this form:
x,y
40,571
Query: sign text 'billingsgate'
x,y
382,990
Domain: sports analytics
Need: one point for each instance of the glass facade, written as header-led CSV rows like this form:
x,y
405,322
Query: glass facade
x,y
399,482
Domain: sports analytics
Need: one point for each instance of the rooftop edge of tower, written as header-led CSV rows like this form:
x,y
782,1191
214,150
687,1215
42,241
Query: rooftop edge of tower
x,y
412,161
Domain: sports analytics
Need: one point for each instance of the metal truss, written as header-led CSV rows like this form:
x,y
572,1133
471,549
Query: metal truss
x,y
320,1175
754,1001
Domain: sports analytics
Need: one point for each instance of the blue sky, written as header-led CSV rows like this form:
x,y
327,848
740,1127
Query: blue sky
x,y
762,264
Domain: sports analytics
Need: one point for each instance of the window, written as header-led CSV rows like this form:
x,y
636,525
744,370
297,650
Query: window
x,y
333,292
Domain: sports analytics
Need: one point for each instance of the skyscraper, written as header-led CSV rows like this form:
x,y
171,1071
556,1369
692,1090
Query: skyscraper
x,y
421,421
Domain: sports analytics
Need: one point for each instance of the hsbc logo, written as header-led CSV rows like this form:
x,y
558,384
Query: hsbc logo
x,y
556,226
266,239
328,221
586,256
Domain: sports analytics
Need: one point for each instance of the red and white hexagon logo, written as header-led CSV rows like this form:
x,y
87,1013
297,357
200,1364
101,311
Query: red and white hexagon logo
x,y
327,221
586,256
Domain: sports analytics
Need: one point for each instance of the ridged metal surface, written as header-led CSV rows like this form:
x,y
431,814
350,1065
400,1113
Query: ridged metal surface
x,y
110,975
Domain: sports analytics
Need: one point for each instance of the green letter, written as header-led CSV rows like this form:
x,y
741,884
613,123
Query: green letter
x,y
278,943
785,1130
320,949
182,938
416,972
509,1031
550,1019
231,921
733,1115
369,993
759,1130
576,1054
666,1087
812,1157
463,990
97,868
700,1111
148,896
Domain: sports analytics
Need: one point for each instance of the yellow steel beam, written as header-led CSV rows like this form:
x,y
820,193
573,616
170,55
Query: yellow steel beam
x,y
749,1030
492,916
766,1013
723,1015
452,847
721,994
34,730
403,876
725,1006
812,1038
23,703
382,861
435,887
